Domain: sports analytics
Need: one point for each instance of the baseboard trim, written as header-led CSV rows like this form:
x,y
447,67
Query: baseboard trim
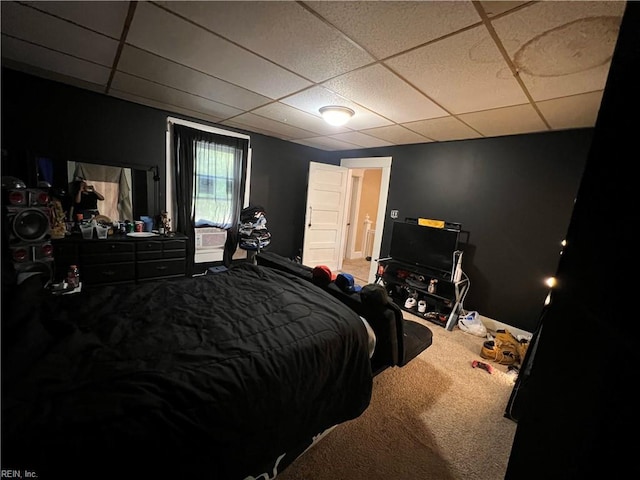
x,y
494,325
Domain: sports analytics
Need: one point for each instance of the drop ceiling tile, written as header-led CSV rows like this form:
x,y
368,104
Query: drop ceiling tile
x,y
561,48
287,114
64,68
253,129
379,90
173,109
505,121
415,23
170,96
282,130
283,32
361,139
326,143
397,135
103,17
312,99
443,129
28,24
160,70
497,7
572,112
463,73
157,31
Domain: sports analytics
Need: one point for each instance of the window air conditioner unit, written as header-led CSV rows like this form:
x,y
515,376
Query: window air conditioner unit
x,y
210,237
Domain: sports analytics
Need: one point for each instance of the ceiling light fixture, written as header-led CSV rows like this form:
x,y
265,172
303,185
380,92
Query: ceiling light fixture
x,y
336,115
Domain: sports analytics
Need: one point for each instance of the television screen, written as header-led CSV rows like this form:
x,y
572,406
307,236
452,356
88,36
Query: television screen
x,y
424,246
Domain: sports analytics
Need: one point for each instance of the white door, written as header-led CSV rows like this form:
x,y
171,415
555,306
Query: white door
x,y
324,222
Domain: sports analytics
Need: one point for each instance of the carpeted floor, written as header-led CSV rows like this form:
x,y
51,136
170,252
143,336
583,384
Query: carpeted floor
x,y
359,268
435,418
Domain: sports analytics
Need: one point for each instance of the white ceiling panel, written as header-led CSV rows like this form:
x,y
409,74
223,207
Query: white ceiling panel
x,y
397,135
313,49
171,96
361,139
449,70
569,112
406,24
559,49
377,89
103,16
463,73
283,130
497,7
168,36
152,67
55,63
30,25
287,114
505,121
327,143
312,99
160,105
443,129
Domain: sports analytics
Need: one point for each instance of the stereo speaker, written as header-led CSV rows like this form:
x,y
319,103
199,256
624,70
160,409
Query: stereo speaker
x,y
29,230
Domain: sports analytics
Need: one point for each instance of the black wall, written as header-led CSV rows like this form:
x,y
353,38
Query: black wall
x,y
45,118
514,195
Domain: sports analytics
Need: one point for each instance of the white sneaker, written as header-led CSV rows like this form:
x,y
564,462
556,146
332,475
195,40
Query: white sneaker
x,y
422,306
410,302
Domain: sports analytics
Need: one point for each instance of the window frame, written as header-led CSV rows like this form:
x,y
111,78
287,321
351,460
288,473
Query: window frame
x,y
170,168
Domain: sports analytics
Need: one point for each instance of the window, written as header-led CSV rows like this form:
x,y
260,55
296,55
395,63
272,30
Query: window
x,y
207,183
214,191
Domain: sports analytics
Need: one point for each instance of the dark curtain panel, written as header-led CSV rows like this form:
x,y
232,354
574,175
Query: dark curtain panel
x,y
185,140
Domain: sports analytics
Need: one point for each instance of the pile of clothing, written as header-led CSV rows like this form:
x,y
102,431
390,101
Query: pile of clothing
x,y
253,233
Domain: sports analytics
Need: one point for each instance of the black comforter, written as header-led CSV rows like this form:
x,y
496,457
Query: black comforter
x,y
210,377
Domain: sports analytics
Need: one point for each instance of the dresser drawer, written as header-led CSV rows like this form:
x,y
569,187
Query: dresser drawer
x,y
117,257
175,245
65,250
106,248
160,268
108,273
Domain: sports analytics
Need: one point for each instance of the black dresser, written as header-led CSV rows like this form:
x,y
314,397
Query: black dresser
x,y
120,258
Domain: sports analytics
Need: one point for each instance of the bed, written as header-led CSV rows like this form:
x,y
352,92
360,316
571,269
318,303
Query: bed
x,y
225,376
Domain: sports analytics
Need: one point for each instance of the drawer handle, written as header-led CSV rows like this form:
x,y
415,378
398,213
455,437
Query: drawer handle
x,y
109,273
161,267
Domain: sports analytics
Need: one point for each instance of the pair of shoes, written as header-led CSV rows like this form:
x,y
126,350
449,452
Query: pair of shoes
x,y
422,306
410,302
504,354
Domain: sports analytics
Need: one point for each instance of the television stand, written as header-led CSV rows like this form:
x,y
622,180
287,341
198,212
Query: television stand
x,y
442,304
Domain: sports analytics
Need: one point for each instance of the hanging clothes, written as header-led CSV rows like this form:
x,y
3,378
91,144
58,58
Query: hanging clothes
x,y
253,233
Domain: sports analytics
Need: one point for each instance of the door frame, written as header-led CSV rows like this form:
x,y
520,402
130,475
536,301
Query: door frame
x,y
383,163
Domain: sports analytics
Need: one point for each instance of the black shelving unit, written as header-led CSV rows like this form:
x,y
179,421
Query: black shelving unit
x,y
402,280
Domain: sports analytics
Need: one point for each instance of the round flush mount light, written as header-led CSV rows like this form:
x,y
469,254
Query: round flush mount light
x,y
336,115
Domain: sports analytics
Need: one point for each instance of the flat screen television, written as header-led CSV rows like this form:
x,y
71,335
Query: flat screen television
x,y
424,246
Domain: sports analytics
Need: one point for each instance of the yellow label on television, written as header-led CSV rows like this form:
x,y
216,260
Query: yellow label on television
x,y
427,222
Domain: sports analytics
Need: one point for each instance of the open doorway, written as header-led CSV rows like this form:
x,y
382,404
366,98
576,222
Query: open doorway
x,y
327,212
361,216
365,211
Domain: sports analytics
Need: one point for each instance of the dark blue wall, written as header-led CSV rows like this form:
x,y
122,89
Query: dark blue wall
x,y
514,195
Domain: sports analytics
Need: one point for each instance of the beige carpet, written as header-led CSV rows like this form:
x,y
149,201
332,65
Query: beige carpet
x,y
359,268
436,418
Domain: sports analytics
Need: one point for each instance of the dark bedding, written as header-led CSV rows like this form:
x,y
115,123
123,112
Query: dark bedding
x,y
209,377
